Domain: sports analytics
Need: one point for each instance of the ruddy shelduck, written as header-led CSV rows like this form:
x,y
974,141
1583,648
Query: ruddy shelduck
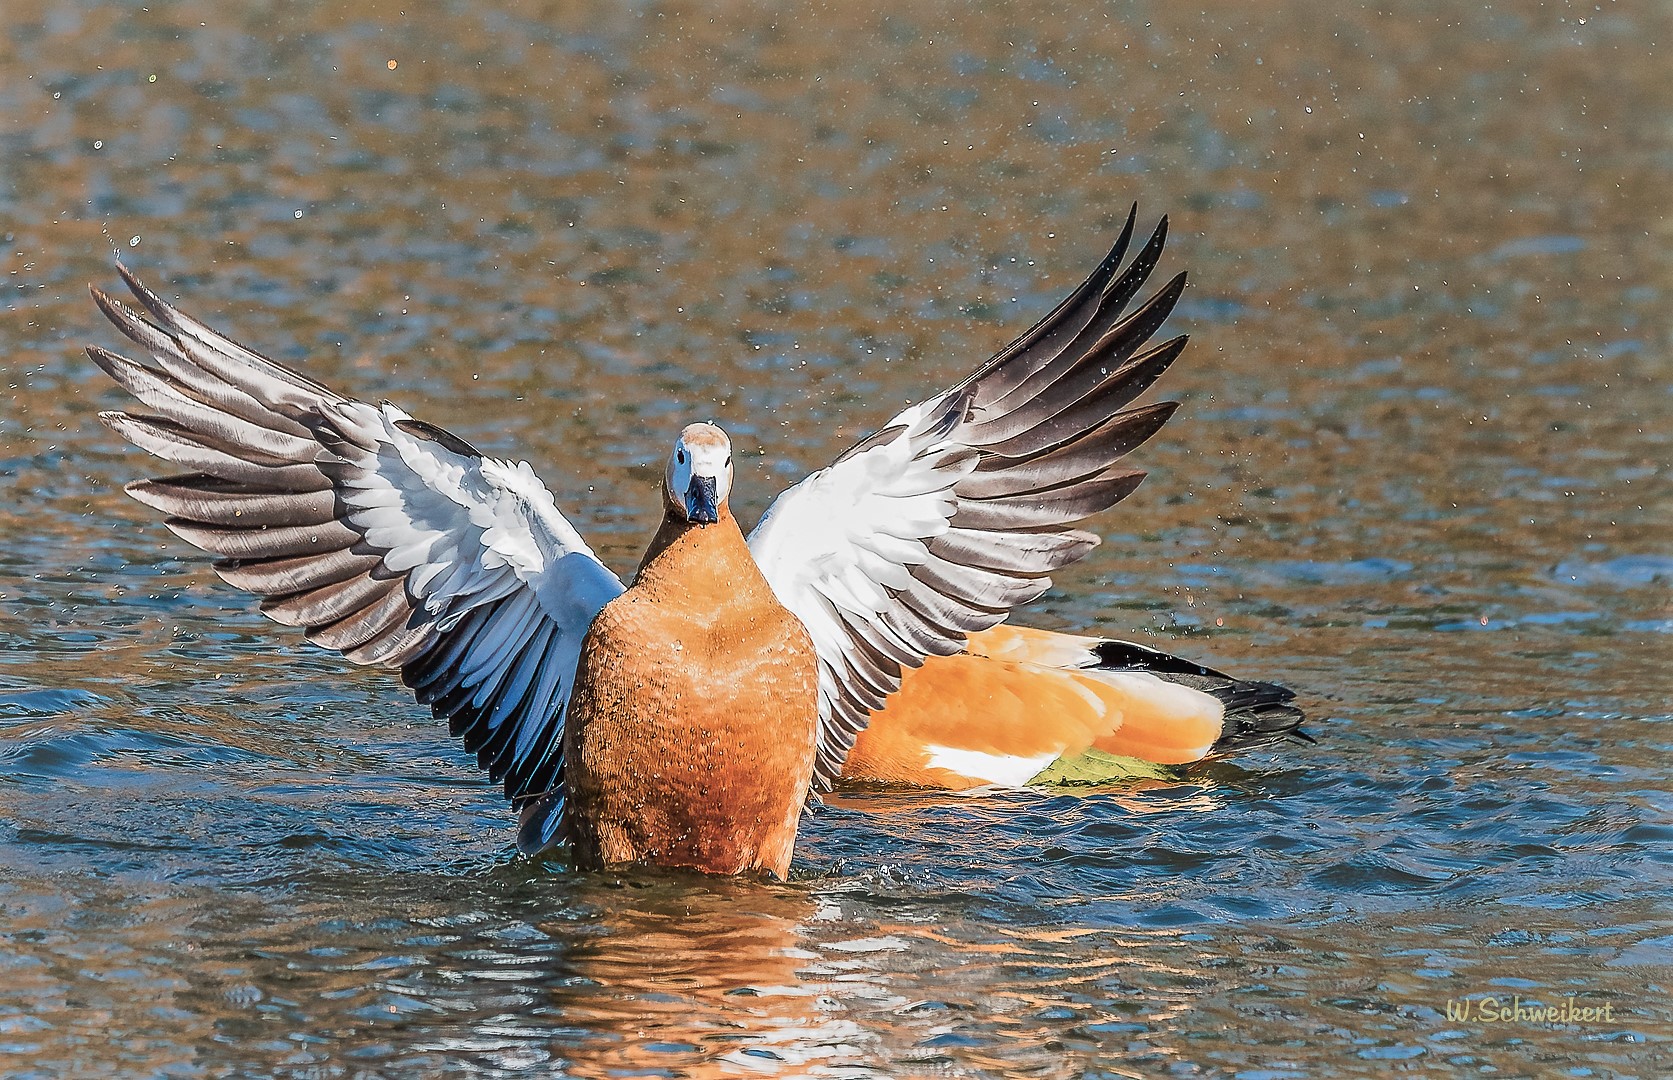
x,y
686,719
691,733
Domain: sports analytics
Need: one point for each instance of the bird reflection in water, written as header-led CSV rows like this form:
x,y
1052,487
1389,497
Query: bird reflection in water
x,y
700,976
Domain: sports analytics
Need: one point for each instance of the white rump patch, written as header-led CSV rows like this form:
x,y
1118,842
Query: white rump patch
x,y
1008,770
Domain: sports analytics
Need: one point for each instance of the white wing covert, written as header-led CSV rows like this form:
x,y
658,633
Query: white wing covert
x,y
383,537
960,508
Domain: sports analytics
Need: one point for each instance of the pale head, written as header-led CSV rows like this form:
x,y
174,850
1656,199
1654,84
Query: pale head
x,y
699,476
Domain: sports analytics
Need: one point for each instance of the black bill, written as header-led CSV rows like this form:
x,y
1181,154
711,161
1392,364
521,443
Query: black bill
x,y
700,507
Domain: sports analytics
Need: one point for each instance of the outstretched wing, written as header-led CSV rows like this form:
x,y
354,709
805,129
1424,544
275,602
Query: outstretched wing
x,y
388,539
956,512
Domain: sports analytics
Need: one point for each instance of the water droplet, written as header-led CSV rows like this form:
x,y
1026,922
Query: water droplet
x,y
133,241
299,213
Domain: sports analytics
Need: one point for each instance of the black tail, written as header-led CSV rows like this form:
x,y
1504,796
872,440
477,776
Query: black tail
x,y
1257,713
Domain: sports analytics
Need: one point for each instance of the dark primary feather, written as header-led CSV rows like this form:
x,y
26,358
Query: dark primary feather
x,y
1047,418
440,436
1257,713
270,454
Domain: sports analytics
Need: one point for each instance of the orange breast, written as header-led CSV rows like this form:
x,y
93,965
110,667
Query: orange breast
x,y
690,737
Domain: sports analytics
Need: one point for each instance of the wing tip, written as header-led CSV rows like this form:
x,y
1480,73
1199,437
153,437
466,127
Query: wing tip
x,y
1257,714
540,823
131,279
116,420
1260,726
114,310
1118,250
108,361
438,435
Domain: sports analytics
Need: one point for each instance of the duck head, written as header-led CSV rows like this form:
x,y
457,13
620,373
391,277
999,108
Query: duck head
x,y
699,476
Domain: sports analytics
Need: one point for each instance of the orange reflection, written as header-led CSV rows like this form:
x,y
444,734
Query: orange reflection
x,y
701,977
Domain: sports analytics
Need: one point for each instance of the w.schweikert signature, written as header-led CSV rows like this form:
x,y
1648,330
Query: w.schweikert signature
x,y
1513,1010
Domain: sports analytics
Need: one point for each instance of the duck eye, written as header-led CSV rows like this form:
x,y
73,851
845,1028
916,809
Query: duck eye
x,y
679,456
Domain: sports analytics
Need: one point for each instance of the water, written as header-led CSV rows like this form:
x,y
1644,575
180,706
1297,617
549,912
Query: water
x,y
1421,474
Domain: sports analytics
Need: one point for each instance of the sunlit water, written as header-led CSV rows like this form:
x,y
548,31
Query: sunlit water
x,y
1421,474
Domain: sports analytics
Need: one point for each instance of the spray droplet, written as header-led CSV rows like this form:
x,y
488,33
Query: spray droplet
x,y
299,213
133,241
98,144
392,65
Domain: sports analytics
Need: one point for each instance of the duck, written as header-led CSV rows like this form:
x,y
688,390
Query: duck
x,y
698,751
1021,706
857,634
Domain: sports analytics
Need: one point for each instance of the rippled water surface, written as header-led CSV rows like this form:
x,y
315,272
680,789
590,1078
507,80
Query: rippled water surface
x,y
1421,474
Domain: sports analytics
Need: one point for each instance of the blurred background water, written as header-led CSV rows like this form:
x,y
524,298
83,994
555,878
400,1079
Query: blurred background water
x,y
1421,474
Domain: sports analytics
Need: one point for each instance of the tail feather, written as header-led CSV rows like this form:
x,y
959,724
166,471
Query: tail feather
x,y
1257,713
1260,726
1024,706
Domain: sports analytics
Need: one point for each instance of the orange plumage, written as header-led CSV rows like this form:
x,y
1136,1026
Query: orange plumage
x,y
691,733
684,721
1017,700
